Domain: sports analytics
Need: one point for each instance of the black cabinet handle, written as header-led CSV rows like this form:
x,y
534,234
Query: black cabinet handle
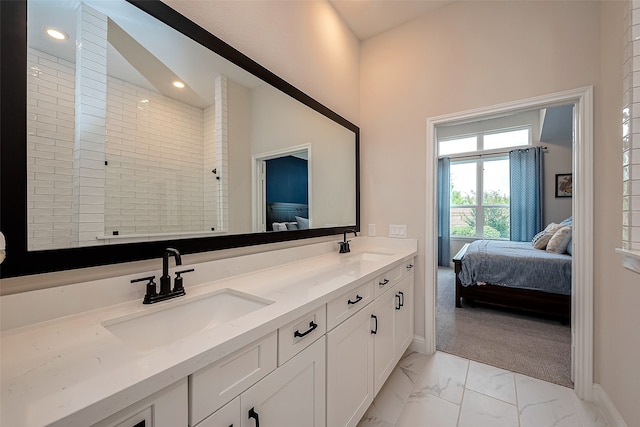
x,y
398,303
375,331
402,300
357,300
253,414
409,267
312,326
141,424
384,282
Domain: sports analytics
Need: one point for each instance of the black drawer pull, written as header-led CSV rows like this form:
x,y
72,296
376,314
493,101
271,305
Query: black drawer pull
x,y
384,282
399,304
402,300
298,334
253,414
375,331
357,300
409,267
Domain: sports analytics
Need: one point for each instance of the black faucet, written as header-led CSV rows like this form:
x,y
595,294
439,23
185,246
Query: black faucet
x,y
165,280
344,245
166,292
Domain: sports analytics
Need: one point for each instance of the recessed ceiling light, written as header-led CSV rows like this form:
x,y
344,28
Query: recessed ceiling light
x,y
178,84
56,34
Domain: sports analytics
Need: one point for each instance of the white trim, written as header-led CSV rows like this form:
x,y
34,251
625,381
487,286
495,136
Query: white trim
x,y
417,344
609,411
582,270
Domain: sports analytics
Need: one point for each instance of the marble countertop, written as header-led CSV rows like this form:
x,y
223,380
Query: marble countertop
x,y
70,370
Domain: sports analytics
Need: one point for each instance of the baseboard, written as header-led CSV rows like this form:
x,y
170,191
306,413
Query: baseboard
x,y
418,344
609,411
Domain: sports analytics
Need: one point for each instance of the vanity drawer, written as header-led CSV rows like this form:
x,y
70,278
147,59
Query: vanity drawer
x,y
294,337
213,386
408,267
386,280
343,307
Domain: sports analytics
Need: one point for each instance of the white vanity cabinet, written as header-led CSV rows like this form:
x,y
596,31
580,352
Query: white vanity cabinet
x,y
213,386
292,395
363,349
246,389
166,408
350,369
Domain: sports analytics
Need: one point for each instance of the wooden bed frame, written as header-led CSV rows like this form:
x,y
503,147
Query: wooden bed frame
x,y
545,303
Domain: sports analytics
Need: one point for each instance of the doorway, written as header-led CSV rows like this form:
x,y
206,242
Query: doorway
x,y
281,187
582,208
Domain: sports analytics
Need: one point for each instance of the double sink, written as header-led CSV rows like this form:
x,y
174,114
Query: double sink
x,y
171,321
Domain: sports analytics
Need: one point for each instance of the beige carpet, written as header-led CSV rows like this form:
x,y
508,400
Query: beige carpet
x,y
529,345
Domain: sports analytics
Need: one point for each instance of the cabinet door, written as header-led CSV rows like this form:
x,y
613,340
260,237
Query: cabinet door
x,y
350,370
404,315
383,325
292,395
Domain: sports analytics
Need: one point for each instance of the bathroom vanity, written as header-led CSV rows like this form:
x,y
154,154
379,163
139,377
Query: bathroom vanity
x,y
294,337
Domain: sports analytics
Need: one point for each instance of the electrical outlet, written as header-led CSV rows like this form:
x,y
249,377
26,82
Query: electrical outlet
x,y
398,231
372,230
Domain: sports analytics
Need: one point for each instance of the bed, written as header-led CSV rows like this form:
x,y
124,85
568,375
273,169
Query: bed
x,y
514,275
282,216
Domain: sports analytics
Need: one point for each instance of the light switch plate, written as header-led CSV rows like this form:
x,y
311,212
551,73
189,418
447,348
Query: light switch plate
x,y
372,230
398,231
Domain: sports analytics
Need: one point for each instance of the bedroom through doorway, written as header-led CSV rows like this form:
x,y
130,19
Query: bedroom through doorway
x,y
578,150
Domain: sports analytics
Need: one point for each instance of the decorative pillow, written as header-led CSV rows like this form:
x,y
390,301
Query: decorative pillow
x,y
560,240
292,225
568,221
541,239
303,223
279,226
570,246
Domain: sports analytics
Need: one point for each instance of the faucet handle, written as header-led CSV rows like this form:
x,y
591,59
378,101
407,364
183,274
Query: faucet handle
x,y
177,283
151,288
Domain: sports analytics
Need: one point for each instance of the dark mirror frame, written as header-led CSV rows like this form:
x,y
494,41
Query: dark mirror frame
x,y
13,156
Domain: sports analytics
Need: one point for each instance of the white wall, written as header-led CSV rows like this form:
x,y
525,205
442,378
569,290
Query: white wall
x,y
475,54
279,123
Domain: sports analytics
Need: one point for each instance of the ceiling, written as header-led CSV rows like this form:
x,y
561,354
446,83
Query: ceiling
x,y
367,18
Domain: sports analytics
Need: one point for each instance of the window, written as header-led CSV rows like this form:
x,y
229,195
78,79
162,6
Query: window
x,y
489,140
486,216
480,194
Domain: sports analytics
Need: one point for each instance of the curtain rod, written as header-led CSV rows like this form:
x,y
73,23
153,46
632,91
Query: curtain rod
x,y
495,153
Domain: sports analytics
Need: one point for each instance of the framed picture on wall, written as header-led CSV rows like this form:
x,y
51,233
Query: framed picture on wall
x,y
564,185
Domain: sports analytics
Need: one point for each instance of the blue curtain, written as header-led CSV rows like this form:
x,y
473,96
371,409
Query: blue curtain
x,y
444,202
527,193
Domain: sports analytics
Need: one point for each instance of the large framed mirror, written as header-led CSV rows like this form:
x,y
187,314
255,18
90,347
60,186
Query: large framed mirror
x,y
133,129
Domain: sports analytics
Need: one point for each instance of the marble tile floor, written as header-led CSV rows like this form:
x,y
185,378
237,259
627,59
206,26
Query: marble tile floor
x,y
443,390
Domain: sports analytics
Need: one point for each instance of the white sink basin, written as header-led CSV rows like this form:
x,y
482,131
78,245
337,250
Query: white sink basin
x,y
177,319
370,256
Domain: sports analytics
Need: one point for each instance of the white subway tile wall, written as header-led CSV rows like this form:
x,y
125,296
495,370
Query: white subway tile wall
x,y
114,157
156,155
90,122
50,133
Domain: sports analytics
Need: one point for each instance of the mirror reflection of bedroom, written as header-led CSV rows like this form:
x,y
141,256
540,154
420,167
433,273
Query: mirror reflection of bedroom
x,y
286,196
504,241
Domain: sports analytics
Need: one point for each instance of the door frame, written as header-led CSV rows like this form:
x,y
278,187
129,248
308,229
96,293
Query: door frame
x,y
258,184
582,208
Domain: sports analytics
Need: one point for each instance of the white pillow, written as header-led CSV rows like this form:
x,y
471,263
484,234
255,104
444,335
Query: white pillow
x,y
279,226
560,240
541,239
